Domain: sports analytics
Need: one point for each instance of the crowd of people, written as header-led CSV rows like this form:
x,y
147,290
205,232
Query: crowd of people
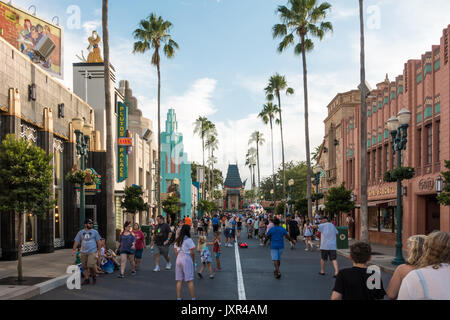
x,y
426,274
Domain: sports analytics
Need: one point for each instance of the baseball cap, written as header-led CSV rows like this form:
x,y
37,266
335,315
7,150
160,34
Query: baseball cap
x,y
88,221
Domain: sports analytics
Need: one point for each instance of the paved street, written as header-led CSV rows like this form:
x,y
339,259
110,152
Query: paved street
x,y
300,279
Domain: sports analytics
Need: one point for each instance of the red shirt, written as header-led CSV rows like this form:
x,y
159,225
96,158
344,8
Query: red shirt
x,y
188,221
140,237
216,248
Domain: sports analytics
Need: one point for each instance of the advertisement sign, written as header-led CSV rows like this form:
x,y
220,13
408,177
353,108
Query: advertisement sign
x,y
123,149
39,40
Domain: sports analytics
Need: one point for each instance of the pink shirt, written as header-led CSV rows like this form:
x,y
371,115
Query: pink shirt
x,y
140,237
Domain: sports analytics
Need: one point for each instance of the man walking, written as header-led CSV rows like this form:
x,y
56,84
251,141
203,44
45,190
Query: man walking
x,y
215,224
162,235
328,245
277,234
90,248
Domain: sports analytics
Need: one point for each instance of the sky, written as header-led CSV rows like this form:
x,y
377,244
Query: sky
x,y
227,54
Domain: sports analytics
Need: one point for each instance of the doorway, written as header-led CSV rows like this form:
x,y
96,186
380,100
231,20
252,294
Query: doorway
x,y
433,214
91,213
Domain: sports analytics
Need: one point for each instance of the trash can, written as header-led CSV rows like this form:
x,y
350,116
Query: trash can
x,y
148,234
342,238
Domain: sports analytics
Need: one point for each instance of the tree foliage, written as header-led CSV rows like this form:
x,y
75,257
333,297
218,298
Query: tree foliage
x,y
206,206
133,201
339,200
444,197
26,177
218,176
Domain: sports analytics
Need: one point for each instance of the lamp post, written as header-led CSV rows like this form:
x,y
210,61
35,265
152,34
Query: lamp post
x,y
398,127
317,171
272,192
82,132
439,185
291,183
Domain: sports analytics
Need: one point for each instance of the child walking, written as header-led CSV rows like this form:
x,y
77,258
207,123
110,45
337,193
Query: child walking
x,y
205,256
216,250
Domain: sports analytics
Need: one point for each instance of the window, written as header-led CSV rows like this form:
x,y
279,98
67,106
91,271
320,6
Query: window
x,y
379,160
419,148
438,155
373,218
30,228
58,214
387,153
374,161
387,219
429,144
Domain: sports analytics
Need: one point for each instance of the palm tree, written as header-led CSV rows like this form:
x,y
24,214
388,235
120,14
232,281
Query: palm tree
x,y
258,139
202,127
154,33
277,84
109,177
315,153
251,163
363,209
212,144
268,115
305,19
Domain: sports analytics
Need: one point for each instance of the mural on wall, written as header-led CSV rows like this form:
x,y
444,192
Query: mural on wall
x,y
34,37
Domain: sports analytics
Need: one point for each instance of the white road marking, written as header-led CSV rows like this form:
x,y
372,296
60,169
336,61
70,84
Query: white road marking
x,y
240,278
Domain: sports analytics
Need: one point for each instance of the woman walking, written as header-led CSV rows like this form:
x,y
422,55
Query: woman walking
x,y
126,247
415,252
431,281
239,228
262,231
185,253
308,232
140,244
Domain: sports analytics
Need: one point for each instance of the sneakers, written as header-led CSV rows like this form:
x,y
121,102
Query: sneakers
x,y
169,266
94,280
86,281
121,276
156,269
218,269
211,276
133,273
200,275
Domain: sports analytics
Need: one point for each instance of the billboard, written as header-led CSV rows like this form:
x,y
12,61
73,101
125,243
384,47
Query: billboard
x,y
34,37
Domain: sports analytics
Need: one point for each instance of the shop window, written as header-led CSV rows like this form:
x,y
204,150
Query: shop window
x,y
387,220
119,213
58,214
429,144
30,228
438,155
373,218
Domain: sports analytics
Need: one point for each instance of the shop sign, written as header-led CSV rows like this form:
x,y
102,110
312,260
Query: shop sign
x,y
123,149
374,192
426,184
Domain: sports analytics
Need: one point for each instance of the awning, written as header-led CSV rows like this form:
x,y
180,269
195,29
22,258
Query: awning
x,y
380,203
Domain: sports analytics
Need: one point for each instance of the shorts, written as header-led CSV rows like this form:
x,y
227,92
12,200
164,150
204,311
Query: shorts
x,y
138,254
218,254
88,260
215,227
228,233
276,254
239,228
328,253
163,250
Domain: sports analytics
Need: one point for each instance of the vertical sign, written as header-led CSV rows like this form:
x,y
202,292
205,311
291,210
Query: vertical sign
x,y
122,131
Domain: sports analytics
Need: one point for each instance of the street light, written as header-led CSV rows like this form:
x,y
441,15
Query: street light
x,y
272,192
398,127
82,131
439,185
317,171
291,185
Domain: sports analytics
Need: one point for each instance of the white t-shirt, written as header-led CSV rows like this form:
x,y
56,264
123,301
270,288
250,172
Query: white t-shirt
x,y
328,234
186,247
437,282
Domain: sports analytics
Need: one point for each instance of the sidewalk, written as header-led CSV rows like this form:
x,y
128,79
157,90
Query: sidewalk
x,y
383,257
50,265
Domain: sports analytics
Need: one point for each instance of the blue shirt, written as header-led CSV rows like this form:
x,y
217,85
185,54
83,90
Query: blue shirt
x,y
328,234
277,235
88,240
215,220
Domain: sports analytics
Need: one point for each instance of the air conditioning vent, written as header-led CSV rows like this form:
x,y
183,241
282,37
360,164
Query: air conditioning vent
x,y
45,48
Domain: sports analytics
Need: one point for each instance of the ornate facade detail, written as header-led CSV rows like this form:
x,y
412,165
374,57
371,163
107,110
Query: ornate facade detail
x,y
30,247
58,145
28,133
59,243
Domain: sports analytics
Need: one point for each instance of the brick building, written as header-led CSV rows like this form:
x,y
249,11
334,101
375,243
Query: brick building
x,y
423,89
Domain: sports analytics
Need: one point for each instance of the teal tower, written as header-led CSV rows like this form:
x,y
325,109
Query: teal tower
x,y
175,167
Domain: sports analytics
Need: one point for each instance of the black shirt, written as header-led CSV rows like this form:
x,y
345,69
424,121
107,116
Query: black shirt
x,y
162,233
352,284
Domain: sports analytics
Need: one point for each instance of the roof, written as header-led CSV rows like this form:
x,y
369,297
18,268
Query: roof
x,y
233,179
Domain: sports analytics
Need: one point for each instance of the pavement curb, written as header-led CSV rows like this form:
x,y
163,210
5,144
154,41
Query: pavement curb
x,y
36,290
383,268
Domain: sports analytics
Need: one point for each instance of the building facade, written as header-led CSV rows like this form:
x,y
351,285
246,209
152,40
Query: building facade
x,y
233,190
36,107
424,90
175,167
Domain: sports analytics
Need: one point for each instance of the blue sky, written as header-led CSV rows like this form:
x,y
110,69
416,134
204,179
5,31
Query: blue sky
x,y
227,55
